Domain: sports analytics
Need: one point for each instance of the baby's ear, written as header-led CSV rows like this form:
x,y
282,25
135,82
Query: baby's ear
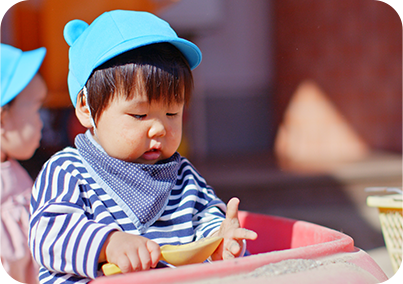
x,y
82,111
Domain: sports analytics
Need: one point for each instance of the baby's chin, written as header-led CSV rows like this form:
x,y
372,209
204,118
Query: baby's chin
x,y
145,160
26,154
21,157
148,157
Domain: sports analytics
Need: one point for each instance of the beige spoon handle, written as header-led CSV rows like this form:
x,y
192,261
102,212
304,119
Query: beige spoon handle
x,y
110,269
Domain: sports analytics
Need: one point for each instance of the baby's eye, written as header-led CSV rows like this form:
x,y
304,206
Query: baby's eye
x,y
172,114
139,116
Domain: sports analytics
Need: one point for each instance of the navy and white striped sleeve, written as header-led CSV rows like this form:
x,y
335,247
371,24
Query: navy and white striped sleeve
x,y
209,220
209,209
62,237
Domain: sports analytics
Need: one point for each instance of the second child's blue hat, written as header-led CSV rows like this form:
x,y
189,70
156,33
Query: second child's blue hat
x,y
111,34
17,70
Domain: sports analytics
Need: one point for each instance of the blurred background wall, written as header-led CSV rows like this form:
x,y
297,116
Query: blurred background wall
x,y
232,110
255,56
353,51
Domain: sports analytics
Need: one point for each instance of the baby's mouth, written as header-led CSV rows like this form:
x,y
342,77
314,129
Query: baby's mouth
x,y
152,154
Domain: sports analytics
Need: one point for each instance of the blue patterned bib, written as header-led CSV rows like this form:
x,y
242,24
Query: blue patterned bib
x,y
141,190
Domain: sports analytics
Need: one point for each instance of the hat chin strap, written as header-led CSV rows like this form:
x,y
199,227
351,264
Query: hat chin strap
x,y
85,91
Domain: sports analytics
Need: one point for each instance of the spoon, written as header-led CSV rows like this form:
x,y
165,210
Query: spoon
x,y
177,255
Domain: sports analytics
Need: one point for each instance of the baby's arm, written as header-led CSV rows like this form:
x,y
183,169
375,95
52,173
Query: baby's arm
x,y
130,252
62,238
232,233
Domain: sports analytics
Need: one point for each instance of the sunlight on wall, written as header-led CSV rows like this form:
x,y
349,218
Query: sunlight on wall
x,y
314,134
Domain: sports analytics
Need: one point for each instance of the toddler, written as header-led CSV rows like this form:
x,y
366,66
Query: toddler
x,y
124,190
22,93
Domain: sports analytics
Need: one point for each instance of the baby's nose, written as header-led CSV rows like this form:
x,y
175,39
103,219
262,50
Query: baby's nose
x,y
157,129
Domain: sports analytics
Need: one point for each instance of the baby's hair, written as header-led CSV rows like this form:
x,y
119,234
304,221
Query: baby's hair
x,y
160,70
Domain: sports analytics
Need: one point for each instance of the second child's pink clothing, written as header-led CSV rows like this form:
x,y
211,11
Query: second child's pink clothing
x,y
15,194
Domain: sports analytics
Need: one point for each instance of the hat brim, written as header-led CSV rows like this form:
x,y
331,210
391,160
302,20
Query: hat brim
x,y
26,68
189,50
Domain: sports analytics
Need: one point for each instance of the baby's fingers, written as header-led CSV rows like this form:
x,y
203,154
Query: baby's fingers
x,y
232,209
145,258
242,233
155,252
232,249
128,263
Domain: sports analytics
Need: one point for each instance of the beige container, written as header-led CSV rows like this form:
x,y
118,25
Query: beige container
x,y
391,217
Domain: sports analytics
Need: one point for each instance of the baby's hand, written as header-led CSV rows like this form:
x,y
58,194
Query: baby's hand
x,y
232,233
130,252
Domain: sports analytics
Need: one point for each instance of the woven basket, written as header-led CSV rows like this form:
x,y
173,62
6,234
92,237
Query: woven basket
x,y
391,217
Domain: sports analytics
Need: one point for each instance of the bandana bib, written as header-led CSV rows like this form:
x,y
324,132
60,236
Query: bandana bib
x,y
141,190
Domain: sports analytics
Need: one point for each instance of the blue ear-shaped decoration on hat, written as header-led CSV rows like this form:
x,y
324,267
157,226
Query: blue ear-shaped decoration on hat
x,y
73,30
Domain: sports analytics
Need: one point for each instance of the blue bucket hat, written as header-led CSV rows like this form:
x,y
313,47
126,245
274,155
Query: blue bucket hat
x,y
17,70
111,34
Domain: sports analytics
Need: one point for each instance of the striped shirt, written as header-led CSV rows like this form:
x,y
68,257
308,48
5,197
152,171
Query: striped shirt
x,y
71,217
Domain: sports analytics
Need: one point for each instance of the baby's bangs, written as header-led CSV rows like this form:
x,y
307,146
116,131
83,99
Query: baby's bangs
x,y
169,85
126,80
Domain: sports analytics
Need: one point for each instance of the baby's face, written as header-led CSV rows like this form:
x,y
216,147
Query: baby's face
x,y
21,123
136,130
